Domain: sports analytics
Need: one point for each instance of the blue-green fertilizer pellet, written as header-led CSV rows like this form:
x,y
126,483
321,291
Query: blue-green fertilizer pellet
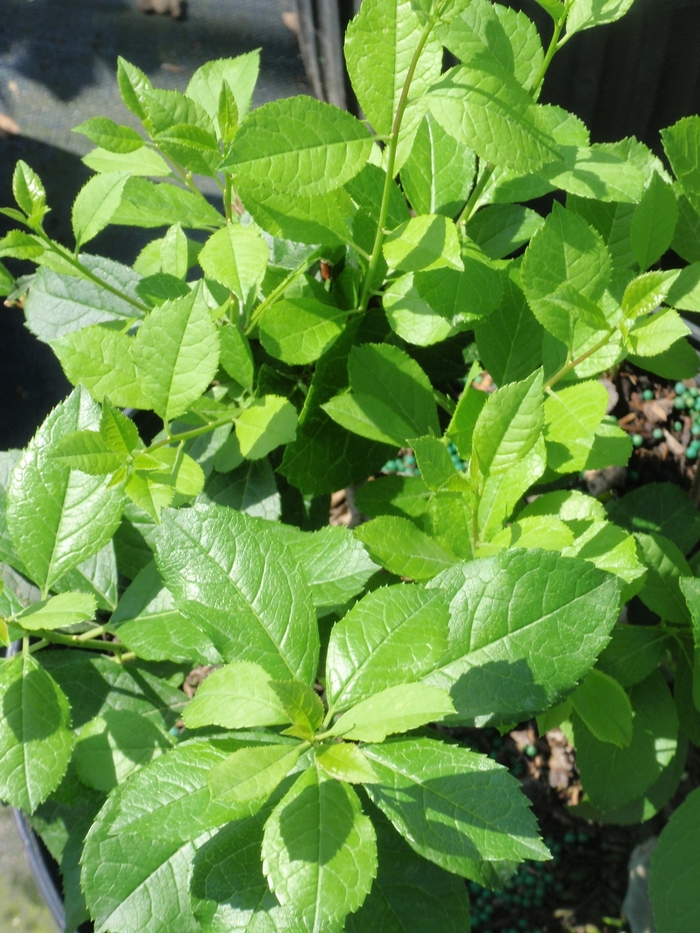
x,y
678,403
677,425
692,452
658,434
647,395
695,430
637,440
680,388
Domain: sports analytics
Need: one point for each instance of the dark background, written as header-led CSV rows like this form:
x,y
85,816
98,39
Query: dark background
x,y
57,66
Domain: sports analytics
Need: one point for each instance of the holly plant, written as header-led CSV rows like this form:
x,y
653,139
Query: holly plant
x,y
448,276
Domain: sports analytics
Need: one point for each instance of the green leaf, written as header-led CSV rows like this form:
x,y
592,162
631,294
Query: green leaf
x,y
684,293
453,806
58,517
656,333
537,531
565,251
109,135
605,171
59,304
176,351
96,203
403,549
500,229
236,356
584,14
510,132
29,192
113,746
299,330
251,489
58,612
145,204
132,83
691,591
428,241
247,612
434,462
513,656
87,451
646,292
20,245
264,425
240,73
303,707
379,45
572,416
245,780
613,776
119,433
35,737
409,893
142,162
680,361
610,548
682,147
508,425
613,221
99,357
237,257
634,652
654,222
149,624
299,145
236,696
666,565
411,317
502,492
396,709
461,427
403,496
674,872
149,891
510,338
344,762
374,646
149,495
605,708
335,564
319,850
438,174
661,508
685,240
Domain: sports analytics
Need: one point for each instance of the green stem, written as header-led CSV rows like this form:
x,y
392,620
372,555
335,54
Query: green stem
x,y
227,197
77,264
553,48
91,634
37,646
72,641
390,162
477,191
572,364
186,435
277,292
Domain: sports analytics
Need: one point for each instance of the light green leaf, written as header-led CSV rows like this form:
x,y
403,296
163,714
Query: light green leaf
x,y
110,135
113,746
236,356
613,776
411,317
87,451
29,192
236,696
396,709
409,893
674,873
379,45
512,654
502,492
655,333
176,351
146,204
612,220
453,806
58,517
565,251
603,171
334,563
666,565
245,780
374,646
248,612
500,229
303,707
35,737
403,549
240,73
509,425
584,14
462,297
536,531
610,548
680,361
176,815
509,132
237,257
682,146
58,612
148,494
646,292
569,505
438,174
605,708
654,222
175,253
428,241
434,462
369,417
319,850
684,293
461,427
132,83
572,416
99,357
96,203
142,162
510,338
344,762
298,331
264,425
119,433
20,245
299,145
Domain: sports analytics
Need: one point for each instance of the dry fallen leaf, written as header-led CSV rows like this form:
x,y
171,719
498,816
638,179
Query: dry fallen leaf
x,y
8,127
